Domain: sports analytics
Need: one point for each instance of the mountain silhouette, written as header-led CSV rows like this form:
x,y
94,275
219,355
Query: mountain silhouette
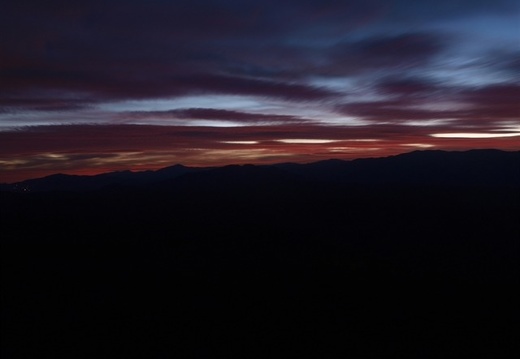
x,y
409,256
475,167
63,182
469,168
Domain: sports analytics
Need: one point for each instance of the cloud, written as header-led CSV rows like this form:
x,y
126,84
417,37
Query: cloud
x,y
112,50
102,87
120,138
414,100
410,87
404,51
45,104
503,95
104,51
492,103
399,70
476,135
87,149
214,114
394,111
258,87
408,49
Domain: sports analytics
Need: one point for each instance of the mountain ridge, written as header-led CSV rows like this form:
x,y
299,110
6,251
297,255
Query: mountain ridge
x,y
365,250
426,167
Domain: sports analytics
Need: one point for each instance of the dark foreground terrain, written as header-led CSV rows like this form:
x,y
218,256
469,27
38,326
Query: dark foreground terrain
x,y
262,262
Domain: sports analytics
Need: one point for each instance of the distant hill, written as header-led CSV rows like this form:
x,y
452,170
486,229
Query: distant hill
x,y
407,256
475,167
468,168
63,182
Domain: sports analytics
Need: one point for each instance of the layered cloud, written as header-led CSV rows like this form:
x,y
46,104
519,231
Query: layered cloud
x,y
94,85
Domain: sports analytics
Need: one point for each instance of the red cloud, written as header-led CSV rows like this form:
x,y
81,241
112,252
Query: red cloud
x,y
39,151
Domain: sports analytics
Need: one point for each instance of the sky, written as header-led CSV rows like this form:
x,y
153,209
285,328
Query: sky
x,y
105,85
